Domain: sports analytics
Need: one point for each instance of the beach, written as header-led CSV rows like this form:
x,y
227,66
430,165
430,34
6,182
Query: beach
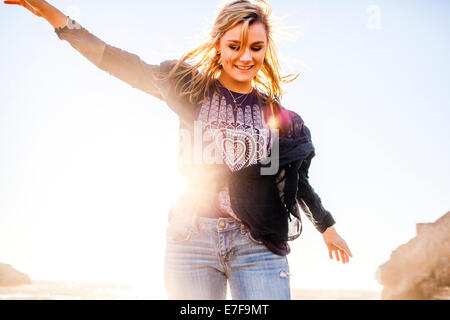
x,y
60,290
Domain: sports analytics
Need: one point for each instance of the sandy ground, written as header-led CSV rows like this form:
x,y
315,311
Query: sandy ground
x,y
56,290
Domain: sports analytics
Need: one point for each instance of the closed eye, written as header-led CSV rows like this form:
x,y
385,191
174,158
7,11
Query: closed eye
x,y
237,48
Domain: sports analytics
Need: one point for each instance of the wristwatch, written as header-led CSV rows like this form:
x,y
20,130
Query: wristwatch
x,y
72,24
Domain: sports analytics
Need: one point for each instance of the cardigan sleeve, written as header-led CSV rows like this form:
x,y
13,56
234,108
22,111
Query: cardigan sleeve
x,y
310,202
121,64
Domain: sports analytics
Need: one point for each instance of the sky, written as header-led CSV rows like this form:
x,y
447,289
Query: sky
x,y
88,164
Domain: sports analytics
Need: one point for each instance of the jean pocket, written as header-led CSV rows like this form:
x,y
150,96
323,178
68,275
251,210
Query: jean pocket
x,y
250,237
178,233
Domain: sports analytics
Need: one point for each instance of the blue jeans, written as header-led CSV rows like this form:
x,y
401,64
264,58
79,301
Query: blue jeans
x,y
199,262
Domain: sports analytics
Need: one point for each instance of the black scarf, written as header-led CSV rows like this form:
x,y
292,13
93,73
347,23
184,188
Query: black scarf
x,y
255,198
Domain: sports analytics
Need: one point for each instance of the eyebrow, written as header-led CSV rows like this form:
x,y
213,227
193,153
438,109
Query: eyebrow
x,y
236,41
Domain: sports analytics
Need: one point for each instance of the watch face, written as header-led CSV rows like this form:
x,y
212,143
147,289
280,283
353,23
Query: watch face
x,y
72,24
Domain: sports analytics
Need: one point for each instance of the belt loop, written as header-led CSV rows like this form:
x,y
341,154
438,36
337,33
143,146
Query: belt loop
x,y
196,223
243,229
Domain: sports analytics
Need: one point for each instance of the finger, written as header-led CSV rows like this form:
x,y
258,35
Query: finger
x,y
336,252
344,257
342,254
339,253
343,246
12,2
330,254
347,250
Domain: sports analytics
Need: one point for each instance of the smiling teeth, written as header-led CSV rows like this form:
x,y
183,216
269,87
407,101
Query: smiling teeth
x,y
244,68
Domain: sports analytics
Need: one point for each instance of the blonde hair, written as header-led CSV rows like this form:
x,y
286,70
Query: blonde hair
x,y
195,79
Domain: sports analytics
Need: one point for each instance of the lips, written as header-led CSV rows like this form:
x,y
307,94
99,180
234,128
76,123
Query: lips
x,y
243,68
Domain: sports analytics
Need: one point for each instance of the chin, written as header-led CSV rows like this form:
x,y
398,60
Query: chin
x,y
240,78
237,77
243,80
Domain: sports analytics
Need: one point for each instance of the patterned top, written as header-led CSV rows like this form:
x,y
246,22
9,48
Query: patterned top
x,y
240,134
239,137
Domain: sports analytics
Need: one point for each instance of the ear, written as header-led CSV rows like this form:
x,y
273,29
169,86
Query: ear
x,y
217,46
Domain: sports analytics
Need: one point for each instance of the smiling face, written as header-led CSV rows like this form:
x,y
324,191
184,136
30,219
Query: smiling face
x,y
238,72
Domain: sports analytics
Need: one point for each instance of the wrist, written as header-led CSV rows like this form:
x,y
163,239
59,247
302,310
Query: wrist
x,y
330,229
54,16
41,7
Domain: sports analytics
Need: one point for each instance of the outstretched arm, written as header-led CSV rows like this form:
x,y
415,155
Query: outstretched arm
x,y
311,205
121,64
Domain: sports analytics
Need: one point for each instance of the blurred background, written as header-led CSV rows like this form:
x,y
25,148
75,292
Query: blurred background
x,y
88,164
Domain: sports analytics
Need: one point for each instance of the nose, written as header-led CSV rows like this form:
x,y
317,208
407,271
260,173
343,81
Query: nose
x,y
246,56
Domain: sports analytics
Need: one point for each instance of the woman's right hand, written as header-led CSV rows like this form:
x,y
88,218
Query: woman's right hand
x,y
42,8
32,5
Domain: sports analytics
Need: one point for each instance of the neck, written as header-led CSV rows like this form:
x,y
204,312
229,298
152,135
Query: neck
x,y
235,86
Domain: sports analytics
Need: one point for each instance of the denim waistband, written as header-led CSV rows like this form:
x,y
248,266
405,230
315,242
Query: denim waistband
x,y
223,224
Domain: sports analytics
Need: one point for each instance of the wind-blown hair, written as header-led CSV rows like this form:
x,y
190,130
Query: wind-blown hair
x,y
197,70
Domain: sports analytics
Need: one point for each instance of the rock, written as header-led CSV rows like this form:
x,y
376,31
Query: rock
x,y
11,277
419,269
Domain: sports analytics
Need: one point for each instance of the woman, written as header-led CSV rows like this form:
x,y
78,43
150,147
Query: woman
x,y
245,157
